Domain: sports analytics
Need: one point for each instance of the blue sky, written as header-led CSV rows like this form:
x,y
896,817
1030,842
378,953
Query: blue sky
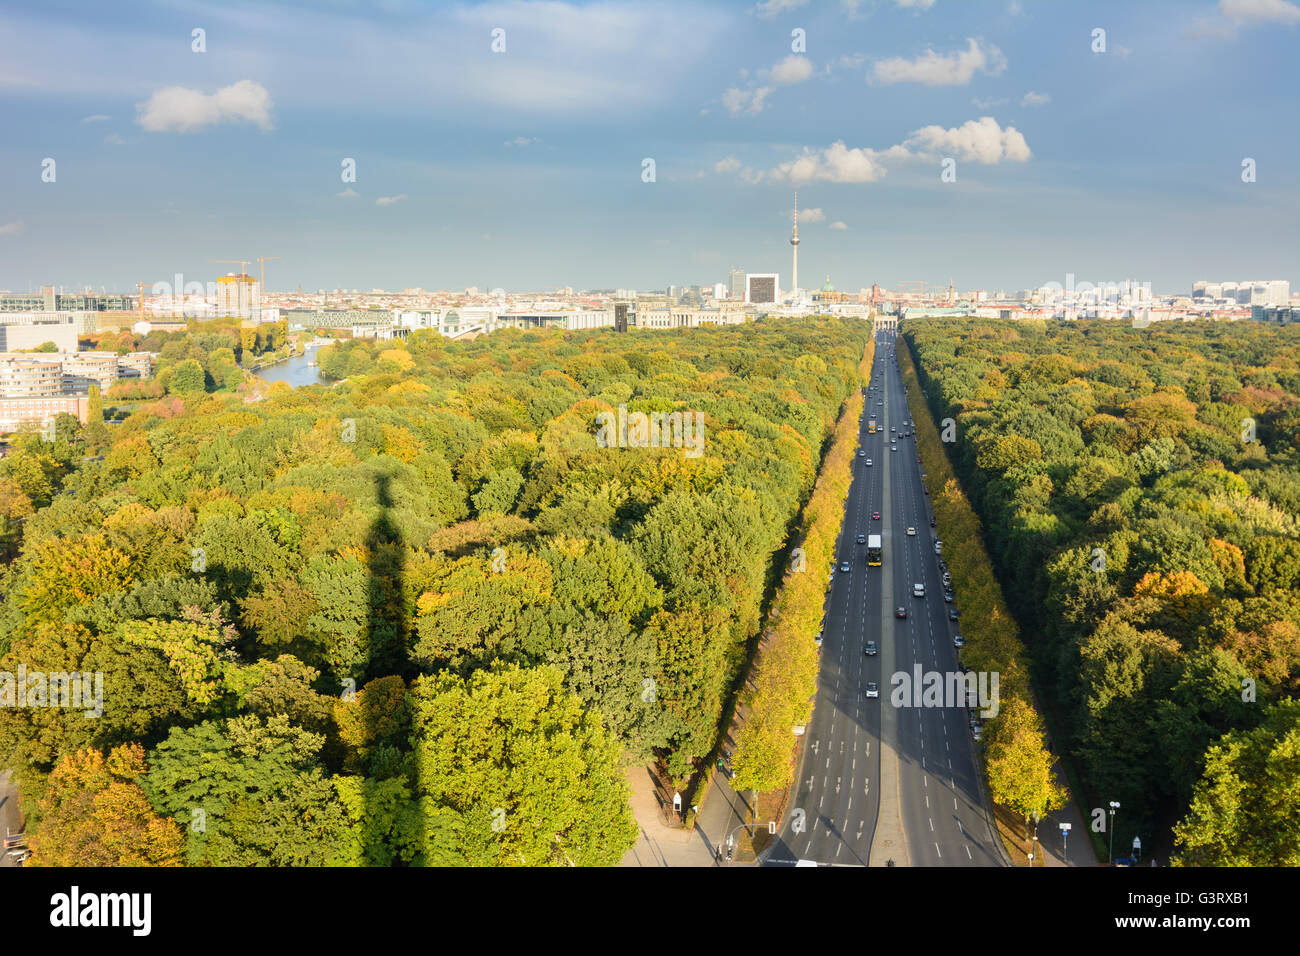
x,y
523,168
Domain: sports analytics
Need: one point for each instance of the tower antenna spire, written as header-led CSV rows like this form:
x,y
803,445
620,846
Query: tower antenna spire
x,y
794,243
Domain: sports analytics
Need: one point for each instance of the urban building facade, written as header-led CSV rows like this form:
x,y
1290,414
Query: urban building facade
x,y
47,300
762,288
238,295
18,413
30,335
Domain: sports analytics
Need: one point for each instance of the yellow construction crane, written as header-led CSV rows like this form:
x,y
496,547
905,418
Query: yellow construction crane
x,y
243,263
261,267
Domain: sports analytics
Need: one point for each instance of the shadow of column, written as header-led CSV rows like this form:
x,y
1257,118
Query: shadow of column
x,y
387,636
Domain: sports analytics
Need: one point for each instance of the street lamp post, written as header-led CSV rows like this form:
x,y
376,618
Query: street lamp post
x,y
1036,833
1114,805
731,836
1065,839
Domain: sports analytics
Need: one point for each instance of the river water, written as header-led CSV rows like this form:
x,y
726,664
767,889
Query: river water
x,y
294,370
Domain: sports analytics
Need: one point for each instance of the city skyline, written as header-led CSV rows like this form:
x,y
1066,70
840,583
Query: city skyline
x,y
523,169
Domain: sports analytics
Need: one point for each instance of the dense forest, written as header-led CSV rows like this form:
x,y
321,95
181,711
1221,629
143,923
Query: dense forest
x,y
422,616
1140,492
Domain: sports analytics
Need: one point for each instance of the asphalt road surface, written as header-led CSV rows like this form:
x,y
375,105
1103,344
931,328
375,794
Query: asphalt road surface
x,y
883,780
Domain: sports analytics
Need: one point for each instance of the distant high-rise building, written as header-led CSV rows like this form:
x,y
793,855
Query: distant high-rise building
x,y
1253,292
238,295
736,281
762,288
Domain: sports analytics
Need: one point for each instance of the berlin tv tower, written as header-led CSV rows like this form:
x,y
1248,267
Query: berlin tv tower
x,y
794,242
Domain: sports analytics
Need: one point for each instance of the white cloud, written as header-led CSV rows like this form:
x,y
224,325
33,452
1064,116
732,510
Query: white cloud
x,y
1260,11
11,228
522,141
977,141
772,8
348,193
96,118
987,103
836,164
389,200
951,69
114,140
1035,99
914,4
752,176
793,69
811,215
751,102
727,165
837,225
185,110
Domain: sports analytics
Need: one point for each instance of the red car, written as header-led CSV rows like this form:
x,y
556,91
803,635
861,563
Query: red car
x,y
900,612
875,516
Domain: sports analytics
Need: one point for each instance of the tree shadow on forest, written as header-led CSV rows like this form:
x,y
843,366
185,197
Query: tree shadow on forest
x,y
387,633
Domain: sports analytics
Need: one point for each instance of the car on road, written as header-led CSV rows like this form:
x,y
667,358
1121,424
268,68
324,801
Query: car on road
x,y
845,566
880,403
977,732
893,448
862,453
900,612
911,531
925,489
862,539
819,639
952,614
873,689
875,516
932,523
868,462
893,428
948,595
958,641
870,649
938,547
918,590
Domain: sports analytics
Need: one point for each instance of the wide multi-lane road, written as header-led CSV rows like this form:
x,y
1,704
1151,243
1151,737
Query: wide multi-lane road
x,y
881,781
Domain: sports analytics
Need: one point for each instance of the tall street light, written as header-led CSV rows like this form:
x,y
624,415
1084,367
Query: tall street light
x,y
1114,805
